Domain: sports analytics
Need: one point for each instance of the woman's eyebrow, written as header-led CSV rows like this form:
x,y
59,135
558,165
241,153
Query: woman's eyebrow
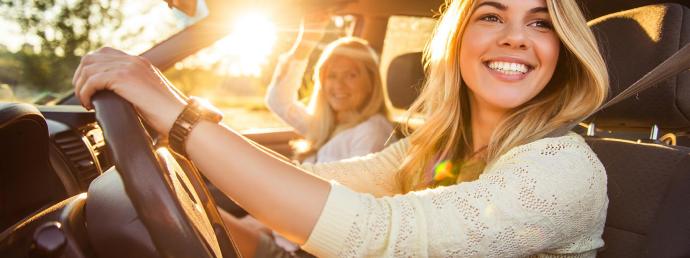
x,y
496,5
503,7
539,10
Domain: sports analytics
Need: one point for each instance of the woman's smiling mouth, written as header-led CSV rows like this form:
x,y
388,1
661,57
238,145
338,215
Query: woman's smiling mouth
x,y
508,70
340,96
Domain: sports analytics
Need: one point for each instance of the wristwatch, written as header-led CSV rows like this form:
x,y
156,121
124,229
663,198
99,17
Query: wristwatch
x,y
195,110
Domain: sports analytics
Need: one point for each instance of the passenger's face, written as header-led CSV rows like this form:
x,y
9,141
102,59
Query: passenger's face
x,y
346,85
508,52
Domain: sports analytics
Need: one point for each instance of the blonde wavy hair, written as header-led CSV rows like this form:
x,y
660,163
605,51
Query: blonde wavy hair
x,y
323,122
578,86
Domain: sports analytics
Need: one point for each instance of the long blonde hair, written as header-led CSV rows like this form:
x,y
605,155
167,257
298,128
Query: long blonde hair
x,y
323,121
579,85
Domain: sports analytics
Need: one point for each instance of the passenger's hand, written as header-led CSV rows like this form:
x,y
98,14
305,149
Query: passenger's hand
x,y
312,30
313,27
135,79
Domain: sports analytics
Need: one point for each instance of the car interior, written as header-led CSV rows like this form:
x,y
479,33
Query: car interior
x,y
77,183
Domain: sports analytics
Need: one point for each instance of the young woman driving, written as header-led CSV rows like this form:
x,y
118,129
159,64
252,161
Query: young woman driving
x,y
346,116
477,179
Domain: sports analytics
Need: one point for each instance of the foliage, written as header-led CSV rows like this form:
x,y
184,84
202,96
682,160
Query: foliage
x,y
60,32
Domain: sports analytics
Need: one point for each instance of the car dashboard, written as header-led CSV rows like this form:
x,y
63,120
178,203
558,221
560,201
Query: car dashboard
x,y
78,152
49,153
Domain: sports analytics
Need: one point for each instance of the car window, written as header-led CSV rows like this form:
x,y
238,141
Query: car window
x,y
404,34
235,72
42,41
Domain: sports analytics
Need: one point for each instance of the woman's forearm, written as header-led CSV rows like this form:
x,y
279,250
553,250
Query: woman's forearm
x,y
303,48
282,94
274,191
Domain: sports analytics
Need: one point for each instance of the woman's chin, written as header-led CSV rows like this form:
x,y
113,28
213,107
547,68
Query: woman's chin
x,y
506,103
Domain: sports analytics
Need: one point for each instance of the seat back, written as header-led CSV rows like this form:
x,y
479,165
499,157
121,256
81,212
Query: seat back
x,y
640,179
27,182
646,217
404,80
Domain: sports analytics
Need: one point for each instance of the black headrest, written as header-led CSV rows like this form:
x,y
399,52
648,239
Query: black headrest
x,y
404,80
633,42
596,8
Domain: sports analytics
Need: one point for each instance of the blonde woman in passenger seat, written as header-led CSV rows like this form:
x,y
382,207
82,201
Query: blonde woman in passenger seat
x,y
480,178
346,116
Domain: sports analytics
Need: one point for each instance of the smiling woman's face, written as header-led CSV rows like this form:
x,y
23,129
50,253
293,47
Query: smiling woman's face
x,y
508,52
347,85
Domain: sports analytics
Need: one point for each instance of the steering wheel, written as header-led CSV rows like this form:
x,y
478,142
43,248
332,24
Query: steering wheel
x,y
166,190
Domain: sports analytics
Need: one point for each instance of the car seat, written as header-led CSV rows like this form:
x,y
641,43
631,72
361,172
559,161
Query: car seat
x,y
648,183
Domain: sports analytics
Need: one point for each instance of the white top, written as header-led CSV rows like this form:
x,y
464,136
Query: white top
x,y
545,198
366,137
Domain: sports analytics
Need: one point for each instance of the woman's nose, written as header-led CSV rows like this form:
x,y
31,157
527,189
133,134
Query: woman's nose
x,y
514,36
336,83
341,82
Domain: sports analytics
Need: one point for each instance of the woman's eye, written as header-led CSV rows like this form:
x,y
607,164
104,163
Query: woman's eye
x,y
352,75
542,24
490,18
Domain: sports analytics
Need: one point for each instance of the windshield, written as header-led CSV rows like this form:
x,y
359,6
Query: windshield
x,y
44,40
235,71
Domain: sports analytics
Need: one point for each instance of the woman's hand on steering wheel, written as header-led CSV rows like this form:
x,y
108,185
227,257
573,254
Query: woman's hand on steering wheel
x,y
135,79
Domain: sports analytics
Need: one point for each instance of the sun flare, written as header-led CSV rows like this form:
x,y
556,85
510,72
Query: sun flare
x,y
251,42
244,50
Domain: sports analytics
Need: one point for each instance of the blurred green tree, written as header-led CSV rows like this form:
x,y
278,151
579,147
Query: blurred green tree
x,y
62,32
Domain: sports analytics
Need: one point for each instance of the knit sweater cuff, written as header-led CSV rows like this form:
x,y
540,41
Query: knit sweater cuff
x,y
334,223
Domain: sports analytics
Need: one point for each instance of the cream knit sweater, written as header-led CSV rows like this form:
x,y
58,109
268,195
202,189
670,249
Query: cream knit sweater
x,y
542,199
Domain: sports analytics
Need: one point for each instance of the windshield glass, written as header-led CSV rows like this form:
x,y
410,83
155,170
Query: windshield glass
x,y
235,71
43,40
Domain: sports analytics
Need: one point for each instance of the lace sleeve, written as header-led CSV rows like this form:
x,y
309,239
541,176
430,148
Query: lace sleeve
x,y
548,198
373,173
281,96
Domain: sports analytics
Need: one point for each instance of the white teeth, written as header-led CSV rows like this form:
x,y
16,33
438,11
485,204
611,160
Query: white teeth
x,y
508,68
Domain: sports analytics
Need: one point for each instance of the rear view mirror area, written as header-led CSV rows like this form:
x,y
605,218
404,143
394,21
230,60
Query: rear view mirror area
x,y
188,12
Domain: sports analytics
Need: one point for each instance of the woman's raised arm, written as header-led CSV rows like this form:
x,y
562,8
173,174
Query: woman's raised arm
x,y
281,96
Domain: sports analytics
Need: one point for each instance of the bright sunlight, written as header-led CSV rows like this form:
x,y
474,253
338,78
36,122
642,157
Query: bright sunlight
x,y
244,51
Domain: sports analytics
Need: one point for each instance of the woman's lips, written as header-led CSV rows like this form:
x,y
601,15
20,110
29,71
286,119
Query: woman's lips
x,y
340,96
508,71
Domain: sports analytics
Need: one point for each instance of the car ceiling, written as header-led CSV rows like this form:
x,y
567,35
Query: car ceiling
x,y
384,8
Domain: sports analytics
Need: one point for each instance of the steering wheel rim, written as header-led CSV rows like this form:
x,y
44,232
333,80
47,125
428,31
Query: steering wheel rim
x,y
157,182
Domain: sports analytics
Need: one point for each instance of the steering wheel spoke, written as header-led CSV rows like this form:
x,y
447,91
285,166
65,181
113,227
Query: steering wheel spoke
x,y
166,190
